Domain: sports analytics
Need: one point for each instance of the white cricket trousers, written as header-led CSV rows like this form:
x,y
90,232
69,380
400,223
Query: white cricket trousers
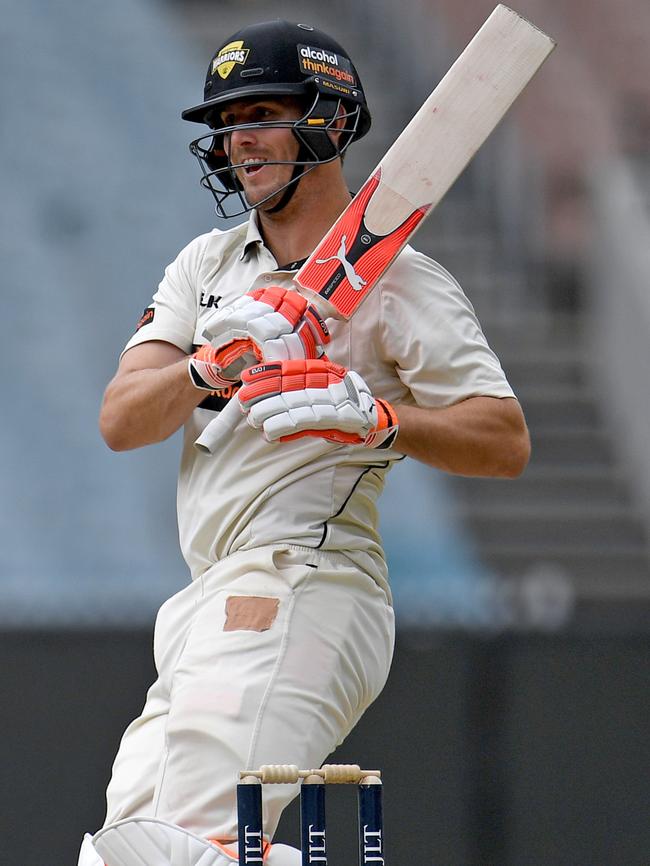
x,y
270,657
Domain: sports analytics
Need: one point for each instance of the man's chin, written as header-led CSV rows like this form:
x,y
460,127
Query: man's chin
x,y
265,200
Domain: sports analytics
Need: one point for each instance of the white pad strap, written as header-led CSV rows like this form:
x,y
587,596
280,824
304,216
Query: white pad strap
x,y
150,842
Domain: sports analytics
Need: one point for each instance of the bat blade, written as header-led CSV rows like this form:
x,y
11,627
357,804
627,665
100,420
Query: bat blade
x,y
349,261
425,160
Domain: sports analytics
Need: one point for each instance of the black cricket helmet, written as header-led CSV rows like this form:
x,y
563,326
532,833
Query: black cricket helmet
x,y
275,59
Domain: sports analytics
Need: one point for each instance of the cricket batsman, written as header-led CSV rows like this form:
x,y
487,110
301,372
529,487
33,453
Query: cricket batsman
x,y
284,634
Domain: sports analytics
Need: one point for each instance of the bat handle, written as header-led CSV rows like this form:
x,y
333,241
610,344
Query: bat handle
x,y
220,428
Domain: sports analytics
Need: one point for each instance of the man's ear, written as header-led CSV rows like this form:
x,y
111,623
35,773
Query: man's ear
x,y
339,121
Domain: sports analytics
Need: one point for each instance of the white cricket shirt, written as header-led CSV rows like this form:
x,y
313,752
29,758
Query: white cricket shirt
x,y
415,340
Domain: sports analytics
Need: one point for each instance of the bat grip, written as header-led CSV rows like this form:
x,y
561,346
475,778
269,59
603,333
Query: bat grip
x,y
220,428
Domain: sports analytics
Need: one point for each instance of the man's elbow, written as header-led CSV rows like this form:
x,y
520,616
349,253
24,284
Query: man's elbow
x,y
112,428
110,432
516,444
517,456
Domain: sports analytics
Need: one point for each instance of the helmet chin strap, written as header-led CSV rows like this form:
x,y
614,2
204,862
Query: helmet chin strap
x,y
290,190
298,170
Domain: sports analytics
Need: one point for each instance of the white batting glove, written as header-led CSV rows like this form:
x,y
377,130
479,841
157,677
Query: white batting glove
x,y
271,324
291,399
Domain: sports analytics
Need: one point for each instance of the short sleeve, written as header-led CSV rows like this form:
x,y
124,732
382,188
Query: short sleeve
x,y
172,314
436,341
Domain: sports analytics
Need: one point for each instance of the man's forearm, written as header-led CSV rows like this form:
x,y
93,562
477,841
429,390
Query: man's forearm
x,y
481,436
141,407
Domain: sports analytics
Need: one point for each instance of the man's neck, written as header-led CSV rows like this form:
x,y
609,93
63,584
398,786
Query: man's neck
x,y
293,233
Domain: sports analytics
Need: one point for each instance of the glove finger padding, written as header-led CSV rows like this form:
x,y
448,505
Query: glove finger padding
x,y
274,323
292,307
292,399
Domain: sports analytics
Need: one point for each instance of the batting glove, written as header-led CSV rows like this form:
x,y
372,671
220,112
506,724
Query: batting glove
x,y
271,324
291,399
206,372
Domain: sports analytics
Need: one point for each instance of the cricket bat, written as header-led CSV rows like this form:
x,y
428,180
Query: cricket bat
x,y
415,174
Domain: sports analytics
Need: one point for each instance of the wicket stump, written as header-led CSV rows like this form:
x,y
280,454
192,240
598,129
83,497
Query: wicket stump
x,y
313,826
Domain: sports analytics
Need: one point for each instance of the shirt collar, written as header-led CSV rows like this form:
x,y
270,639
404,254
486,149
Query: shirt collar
x,y
253,236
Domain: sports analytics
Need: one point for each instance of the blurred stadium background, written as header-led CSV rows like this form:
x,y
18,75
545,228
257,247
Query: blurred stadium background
x,y
522,670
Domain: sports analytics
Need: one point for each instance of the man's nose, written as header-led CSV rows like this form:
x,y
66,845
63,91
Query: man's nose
x,y
242,137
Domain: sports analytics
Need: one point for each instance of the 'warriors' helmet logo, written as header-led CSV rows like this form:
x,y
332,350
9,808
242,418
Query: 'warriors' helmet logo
x,y
229,55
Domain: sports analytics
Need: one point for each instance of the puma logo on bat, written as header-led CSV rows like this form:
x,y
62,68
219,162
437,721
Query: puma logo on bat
x,y
353,277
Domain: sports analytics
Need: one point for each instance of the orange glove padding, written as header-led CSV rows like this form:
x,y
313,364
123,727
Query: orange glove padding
x,y
206,372
291,399
274,324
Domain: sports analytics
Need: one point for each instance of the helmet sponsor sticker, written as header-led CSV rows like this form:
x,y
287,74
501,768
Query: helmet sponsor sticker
x,y
228,57
318,61
325,85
